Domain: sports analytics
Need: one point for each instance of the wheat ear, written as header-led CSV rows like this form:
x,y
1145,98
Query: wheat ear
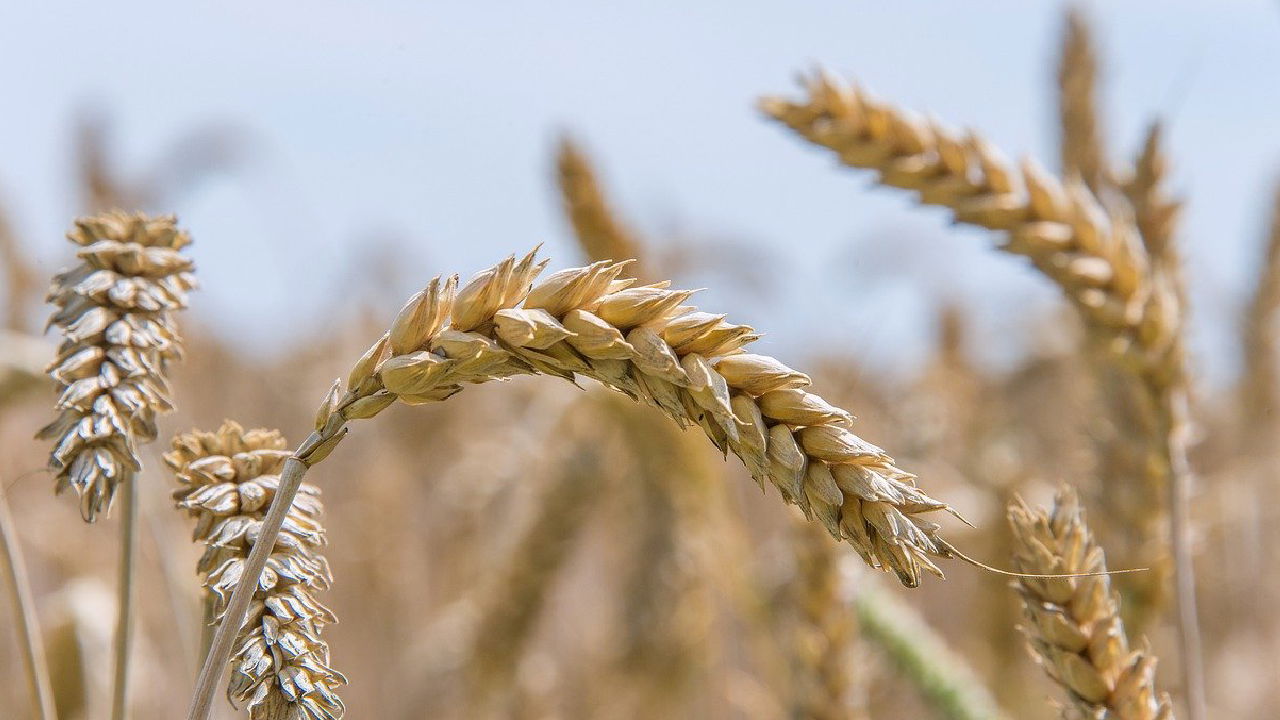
x,y
1081,141
595,225
508,612
1074,623
824,632
642,341
1258,386
226,479
115,312
1134,312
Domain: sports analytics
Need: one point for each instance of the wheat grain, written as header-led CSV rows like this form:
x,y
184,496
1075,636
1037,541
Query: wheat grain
x,y
114,310
226,480
1074,623
1081,142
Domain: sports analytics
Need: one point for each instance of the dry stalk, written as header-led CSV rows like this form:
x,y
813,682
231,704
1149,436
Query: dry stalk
x,y
1074,624
510,609
1258,391
646,343
226,479
941,676
25,620
1132,310
825,629
1081,144
598,230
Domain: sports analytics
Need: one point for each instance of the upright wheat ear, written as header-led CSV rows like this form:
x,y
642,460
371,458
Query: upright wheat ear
x,y
595,225
646,343
226,480
1081,143
1075,627
114,310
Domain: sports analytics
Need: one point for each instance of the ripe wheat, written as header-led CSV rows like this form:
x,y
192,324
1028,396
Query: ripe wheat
x,y
114,310
825,629
226,480
1074,623
1082,149
646,343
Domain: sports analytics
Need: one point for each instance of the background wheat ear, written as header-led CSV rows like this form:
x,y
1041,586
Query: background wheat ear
x,y
1074,624
226,480
114,310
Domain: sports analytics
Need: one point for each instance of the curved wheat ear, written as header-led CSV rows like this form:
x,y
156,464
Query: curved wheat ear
x,y
114,309
643,342
1075,627
595,225
226,480
1081,143
825,631
1131,309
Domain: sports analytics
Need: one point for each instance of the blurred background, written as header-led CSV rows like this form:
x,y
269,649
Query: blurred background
x,y
328,159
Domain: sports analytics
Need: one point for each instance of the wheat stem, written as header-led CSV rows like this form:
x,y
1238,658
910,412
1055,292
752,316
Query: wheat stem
x,y
26,621
123,640
945,681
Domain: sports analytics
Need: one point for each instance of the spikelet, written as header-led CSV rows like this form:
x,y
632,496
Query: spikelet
x,y
1074,623
648,344
115,312
226,481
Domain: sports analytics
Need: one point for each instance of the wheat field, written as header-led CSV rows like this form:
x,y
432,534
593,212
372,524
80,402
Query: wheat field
x,y
643,507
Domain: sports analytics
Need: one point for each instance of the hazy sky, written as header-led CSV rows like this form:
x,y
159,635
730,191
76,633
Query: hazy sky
x,y
429,127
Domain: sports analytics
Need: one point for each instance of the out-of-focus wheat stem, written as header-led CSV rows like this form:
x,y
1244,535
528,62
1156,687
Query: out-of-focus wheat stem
x,y
1133,311
125,609
1081,143
1258,390
26,621
943,678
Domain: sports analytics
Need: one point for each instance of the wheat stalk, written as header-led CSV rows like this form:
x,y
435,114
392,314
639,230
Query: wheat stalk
x,y
226,480
1074,623
943,678
1081,141
26,621
1133,311
646,343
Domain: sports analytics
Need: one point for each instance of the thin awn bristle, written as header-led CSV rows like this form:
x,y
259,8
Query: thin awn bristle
x,y
1074,624
226,481
115,313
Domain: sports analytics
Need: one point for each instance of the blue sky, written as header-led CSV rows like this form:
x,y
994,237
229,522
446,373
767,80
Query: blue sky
x,y
429,126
